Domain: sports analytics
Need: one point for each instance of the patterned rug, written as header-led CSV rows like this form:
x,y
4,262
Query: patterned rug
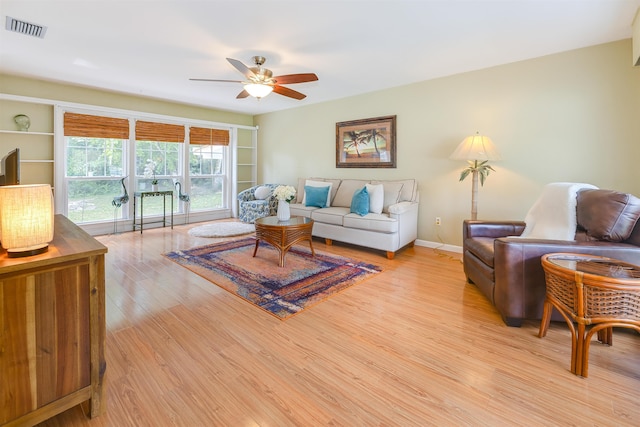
x,y
282,291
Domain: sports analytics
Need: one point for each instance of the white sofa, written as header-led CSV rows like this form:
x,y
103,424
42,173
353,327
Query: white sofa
x,y
395,227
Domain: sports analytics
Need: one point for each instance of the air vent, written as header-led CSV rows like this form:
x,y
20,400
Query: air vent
x,y
25,28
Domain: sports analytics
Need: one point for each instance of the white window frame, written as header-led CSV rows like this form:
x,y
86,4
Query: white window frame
x,y
60,181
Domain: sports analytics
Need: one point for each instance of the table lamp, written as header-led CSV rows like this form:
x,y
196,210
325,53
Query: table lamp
x,y
477,150
26,219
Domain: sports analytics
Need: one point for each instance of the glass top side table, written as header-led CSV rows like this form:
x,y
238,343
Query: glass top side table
x,y
592,291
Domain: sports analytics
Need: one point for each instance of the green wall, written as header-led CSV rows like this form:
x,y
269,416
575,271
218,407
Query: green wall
x,y
573,116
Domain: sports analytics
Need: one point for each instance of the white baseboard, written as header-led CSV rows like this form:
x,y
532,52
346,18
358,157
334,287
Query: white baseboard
x,y
104,228
439,246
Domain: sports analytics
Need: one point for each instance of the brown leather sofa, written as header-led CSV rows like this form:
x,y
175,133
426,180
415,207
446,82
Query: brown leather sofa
x,y
508,271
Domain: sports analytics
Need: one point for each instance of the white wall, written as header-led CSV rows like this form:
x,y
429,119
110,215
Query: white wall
x,y
573,116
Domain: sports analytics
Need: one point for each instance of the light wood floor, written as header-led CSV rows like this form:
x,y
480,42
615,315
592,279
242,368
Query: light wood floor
x,y
413,346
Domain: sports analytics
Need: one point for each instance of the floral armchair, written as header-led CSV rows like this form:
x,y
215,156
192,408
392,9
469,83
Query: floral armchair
x,y
251,208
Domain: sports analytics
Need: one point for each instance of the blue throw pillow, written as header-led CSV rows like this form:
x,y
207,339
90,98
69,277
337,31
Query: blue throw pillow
x,y
316,196
360,202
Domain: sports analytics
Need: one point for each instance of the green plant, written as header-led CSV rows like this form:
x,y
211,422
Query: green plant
x,y
285,192
150,171
482,168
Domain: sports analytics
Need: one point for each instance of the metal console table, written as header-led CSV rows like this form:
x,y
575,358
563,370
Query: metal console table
x,y
141,195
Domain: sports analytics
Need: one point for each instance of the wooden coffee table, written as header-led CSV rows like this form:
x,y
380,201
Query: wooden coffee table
x,y
591,291
283,234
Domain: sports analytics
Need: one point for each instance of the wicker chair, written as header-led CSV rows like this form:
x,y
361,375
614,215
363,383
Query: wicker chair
x,y
250,208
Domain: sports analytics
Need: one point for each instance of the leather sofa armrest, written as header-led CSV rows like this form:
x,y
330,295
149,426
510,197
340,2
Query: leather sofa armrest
x,y
495,229
519,290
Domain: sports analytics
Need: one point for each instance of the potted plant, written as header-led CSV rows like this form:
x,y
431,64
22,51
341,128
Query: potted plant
x,y
285,194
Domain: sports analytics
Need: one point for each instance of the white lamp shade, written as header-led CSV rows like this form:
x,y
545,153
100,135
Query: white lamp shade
x,y
258,90
26,218
476,147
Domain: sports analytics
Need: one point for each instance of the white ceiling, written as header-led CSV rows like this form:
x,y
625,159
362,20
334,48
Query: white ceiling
x,y
152,47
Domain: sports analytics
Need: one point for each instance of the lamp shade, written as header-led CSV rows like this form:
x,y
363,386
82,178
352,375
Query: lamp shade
x,y
476,147
258,90
26,219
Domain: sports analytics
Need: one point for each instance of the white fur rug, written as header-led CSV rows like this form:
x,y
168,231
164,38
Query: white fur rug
x,y
553,215
222,229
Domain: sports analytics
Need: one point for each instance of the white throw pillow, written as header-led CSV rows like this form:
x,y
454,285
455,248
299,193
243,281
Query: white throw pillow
x,y
311,183
376,197
262,192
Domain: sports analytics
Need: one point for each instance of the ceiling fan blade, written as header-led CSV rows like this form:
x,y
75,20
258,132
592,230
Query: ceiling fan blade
x,y
288,92
241,67
242,94
214,80
296,78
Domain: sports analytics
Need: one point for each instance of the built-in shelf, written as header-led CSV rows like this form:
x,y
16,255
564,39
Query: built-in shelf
x,y
18,132
246,162
636,39
37,165
35,161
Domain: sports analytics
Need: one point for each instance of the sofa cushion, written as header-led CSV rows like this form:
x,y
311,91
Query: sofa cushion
x,y
262,192
634,239
380,223
346,190
360,202
606,214
376,197
323,184
316,196
409,191
392,192
298,209
332,215
335,183
482,248
300,190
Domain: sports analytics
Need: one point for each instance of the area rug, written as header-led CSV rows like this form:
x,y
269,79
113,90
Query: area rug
x,y
282,291
222,229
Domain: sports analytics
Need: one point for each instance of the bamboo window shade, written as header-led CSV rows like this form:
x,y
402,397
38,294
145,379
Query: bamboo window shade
x,y
95,126
206,136
163,132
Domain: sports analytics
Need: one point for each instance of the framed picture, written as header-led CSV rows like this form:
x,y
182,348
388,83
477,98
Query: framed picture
x,y
366,143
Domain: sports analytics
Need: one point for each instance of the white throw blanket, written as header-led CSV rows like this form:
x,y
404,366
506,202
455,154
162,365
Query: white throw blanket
x,y
553,215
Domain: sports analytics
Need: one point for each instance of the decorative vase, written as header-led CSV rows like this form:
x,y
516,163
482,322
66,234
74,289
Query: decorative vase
x,y
154,187
23,122
284,213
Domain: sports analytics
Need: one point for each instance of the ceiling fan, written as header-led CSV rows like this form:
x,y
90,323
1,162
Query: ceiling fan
x,y
260,81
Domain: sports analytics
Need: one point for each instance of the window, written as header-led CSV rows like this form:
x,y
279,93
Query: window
x,y
95,150
159,150
103,154
207,152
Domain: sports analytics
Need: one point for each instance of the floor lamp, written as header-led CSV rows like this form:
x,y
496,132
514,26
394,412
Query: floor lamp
x,y
477,150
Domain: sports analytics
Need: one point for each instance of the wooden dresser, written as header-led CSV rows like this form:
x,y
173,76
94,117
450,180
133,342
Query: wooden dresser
x,y
52,328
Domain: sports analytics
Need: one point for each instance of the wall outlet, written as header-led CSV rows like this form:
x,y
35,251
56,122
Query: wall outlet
x,y
438,221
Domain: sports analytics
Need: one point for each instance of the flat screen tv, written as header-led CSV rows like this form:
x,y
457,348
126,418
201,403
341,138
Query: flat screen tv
x,y
10,165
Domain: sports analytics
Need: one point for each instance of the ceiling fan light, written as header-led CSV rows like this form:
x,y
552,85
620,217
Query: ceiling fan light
x,y
258,90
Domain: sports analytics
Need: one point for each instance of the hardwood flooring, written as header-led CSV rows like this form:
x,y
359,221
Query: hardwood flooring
x,y
413,346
